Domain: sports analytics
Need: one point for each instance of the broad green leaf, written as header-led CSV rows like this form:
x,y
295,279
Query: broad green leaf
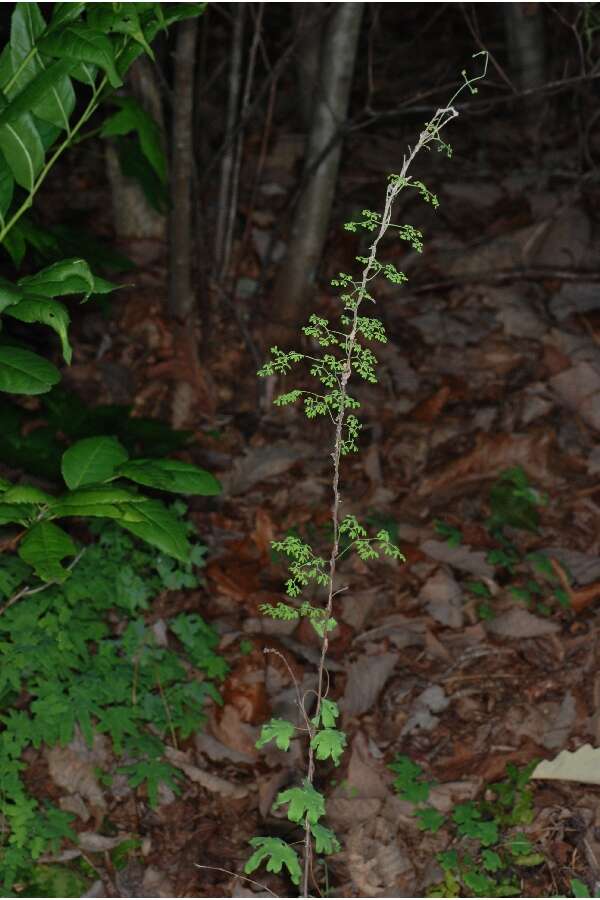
x,y
325,839
44,547
63,13
69,276
303,803
9,294
26,493
123,19
278,730
132,117
276,853
14,244
17,512
85,45
23,372
170,475
105,501
91,460
47,312
49,95
23,150
153,523
7,185
329,744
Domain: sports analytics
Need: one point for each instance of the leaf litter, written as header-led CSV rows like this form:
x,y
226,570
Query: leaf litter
x,y
476,379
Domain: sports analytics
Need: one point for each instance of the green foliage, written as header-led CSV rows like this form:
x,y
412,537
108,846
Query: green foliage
x,y
279,730
488,852
514,505
336,355
78,668
276,854
303,803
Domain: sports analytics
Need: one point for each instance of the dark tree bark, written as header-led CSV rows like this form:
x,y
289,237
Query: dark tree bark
x,y
181,296
307,57
191,387
525,41
296,276
137,224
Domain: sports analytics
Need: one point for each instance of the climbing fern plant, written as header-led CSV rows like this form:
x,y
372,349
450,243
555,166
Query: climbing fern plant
x,y
344,355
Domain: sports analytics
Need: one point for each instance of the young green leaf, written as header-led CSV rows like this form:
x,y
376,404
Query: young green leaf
x,y
303,803
278,730
276,853
325,839
329,744
430,819
91,460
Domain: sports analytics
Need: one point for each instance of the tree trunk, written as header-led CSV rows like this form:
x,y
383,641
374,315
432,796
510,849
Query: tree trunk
x,y
307,57
526,47
138,225
296,276
191,381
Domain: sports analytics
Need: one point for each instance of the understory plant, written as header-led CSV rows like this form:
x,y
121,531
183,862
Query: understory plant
x,y
487,852
75,669
345,352
529,577
65,664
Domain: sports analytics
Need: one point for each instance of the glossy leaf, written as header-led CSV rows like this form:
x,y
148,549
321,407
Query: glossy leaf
x,y
23,151
7,184
49,95
105,501
91,461
24,372
26,493
44,547
9,294
82,44
171,475
46,312
69,276
153,523
62,13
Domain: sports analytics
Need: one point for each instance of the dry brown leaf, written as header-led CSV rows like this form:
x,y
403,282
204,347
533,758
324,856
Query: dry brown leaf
x,y
244,689
579,389
207,780
366,677
229,728
491,455
429,410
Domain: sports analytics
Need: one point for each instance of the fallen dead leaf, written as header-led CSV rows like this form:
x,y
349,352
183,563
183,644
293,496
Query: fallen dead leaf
x,y
491,455
366,678
583,765
207,780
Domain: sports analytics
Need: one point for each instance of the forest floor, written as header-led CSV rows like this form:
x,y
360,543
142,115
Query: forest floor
x,y
482,649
